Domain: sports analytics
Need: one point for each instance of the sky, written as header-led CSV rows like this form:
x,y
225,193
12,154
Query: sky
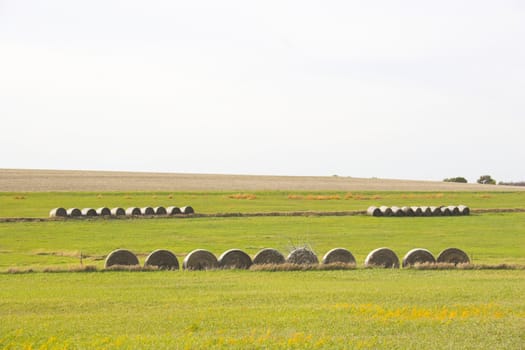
x,y
390,89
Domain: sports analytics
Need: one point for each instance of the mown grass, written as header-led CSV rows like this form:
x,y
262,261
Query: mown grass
x,y
351,309
346,309
39,204
494,238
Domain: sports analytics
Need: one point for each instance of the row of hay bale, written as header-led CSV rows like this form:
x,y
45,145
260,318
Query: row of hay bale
x,y
132,211
450,210
201,259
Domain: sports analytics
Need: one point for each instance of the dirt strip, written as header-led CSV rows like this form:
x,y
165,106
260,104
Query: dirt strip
x,y
232,215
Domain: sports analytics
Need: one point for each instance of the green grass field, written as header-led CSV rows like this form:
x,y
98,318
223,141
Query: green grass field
x,y
351,309
39,204
359,309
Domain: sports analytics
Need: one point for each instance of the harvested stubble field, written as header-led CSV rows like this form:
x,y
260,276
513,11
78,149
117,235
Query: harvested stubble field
x,y
360,308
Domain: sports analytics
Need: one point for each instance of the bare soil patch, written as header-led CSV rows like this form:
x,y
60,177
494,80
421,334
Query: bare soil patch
x,y
17,180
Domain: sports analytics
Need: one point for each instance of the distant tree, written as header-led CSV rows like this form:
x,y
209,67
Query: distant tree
x,y
456,179
486,180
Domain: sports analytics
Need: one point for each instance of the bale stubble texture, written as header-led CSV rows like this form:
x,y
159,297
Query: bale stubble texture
x,y
147,211
88,212
374,211
418,256
173,210
163,259
464,210
235,259
453,256
160,211
133,211
382,257
121,257
386,211
338,255
58,212
268,256
200,259
187,210
103,211
118,211
74,212
302,256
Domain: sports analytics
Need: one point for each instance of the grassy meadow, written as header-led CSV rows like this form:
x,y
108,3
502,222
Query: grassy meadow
x,y
350,309
38,204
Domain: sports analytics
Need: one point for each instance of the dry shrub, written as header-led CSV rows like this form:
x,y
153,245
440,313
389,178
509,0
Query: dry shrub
x,y
77,268
361,198
19,197
131,268
450,266
301,267
349,195
17,270
249,196
295,196
321,197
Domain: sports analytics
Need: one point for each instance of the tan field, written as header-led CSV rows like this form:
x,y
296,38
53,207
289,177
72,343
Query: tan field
x,y
16,180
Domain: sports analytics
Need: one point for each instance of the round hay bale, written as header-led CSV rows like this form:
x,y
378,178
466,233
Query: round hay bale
x,y
88,212
408,211
454,211
103,211
73,212
187,210
445,211
118,211
121,257
453,256
396,211
163,259
463,210
374,211
384,257
58,212
338,255
173,210
133,211
160,211
200,259
302,256
235,259
418,256
147,211
268,256
435,211
426,211
386,211
417,211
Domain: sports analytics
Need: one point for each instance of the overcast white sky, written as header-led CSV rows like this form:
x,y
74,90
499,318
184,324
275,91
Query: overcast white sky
x,y
389,89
